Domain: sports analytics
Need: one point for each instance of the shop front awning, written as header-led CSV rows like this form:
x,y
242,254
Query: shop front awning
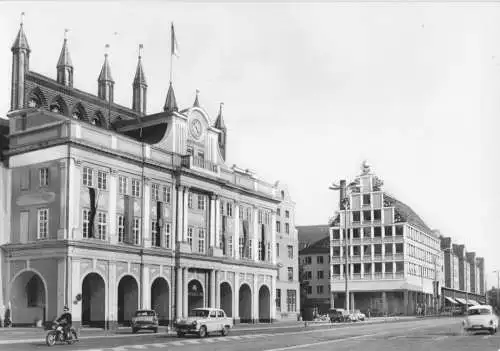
x,y
473,302
449,299
460,300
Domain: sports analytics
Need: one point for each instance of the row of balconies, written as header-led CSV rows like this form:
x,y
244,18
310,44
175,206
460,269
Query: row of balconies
x,y
370,276
370,240
359,258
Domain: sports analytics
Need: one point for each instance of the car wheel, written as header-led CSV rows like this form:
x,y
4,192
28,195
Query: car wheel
x,y
180,334
134,330
225,331
203,331
155,330
492,331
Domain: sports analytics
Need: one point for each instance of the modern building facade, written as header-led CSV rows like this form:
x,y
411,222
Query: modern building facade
x,y
287,281
113,209
393,257
315,268
464,276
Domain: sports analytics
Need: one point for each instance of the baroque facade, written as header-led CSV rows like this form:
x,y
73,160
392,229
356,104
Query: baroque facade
x,y
111,209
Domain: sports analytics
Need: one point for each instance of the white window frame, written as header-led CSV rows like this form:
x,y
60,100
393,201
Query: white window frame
x,y
168,235
120,225
87,176
190,236
102,225
167,193
43,175
136,188
190,200
155,191
201,240
154,232
136,231
43,223
102,180
122,181
201,202
85,223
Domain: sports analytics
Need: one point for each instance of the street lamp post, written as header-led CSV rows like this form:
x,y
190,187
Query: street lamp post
x,y
344,202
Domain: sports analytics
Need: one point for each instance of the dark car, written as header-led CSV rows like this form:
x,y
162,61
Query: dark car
x,y
339,315
145,319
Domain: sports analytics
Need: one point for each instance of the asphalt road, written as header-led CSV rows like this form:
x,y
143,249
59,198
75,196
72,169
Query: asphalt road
x,y
423,334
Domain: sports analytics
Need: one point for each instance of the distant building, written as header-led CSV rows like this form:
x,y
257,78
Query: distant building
x,y
464,276
309,234
394,258
315,268
287,281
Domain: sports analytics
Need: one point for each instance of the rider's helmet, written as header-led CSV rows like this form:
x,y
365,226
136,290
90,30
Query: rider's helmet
x,y
66,309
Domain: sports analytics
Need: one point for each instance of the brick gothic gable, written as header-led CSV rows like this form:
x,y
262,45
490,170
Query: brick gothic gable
x,y
48,90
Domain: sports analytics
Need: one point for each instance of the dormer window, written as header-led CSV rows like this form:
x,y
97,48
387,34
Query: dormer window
x,y
33,103
77,115
55,109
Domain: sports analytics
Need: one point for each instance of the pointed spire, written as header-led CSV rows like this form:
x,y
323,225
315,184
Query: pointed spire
x,y
196,101
105,74
219,122
140,77
64,57
21,42
170,103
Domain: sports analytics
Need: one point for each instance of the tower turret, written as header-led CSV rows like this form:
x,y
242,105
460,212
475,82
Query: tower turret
x,y
20,65
170,102
105,81
64,65
140,87
219,124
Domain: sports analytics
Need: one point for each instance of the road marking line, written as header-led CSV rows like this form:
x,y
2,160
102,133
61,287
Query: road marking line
x,y
158,345
440,338
396,337
321,343
139,347
192,341
210,340
119,348
236,337
176,343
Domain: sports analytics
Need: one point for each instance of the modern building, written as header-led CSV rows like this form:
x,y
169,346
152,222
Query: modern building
x,y
315,268
309,234
393,257
113,209
287,281
464,280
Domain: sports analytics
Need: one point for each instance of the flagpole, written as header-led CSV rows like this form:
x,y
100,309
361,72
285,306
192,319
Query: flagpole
x,y
171,48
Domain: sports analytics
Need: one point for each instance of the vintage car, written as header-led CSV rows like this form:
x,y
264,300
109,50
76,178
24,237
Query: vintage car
x,y
480,318
357,315
204,321
339,315
145,319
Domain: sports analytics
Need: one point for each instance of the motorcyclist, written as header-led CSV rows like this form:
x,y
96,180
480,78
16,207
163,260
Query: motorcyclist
x,y
66,321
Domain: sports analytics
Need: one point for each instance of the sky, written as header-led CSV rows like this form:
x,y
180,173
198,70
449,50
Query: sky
x,y
311,90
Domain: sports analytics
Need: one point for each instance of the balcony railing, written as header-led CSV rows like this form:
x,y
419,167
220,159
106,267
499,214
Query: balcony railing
x,y
369,276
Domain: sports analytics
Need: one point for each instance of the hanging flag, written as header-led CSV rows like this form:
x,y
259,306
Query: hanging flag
x,y
92,212
175,46
263,243
224,229
159,222
128,220
245,238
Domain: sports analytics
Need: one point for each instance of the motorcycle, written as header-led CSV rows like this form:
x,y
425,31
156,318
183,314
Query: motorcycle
x,y
57,335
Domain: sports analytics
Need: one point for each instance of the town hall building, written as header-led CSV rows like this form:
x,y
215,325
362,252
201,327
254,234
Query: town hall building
x,y
110,209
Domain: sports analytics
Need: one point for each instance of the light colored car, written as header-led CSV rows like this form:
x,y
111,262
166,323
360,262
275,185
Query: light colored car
x,y
357,315
145,319
204,321
480,318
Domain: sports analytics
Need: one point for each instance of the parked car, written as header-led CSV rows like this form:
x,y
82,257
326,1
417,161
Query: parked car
x,y
145,319
480,318
204,321
339,315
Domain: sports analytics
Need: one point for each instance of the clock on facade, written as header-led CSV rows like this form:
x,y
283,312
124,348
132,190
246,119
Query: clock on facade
x,y
196,128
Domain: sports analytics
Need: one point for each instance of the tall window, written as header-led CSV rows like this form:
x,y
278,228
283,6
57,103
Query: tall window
x,y
287,214
167,194
277,250
230,246
102,180
102,225
87,176
320,275
44,177
366,199
167,236
201,202
25,179
290,273
290,251
155,235
278,227
121,228
278,300
190,200
241,246
136,231
155,191
287,228
319,259
190,237
122,181
136,188
86,223
43,223
229,209
201,240
278,211
319,289
291,300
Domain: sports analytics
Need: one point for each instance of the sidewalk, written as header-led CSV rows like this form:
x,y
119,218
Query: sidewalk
x,y
30,335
